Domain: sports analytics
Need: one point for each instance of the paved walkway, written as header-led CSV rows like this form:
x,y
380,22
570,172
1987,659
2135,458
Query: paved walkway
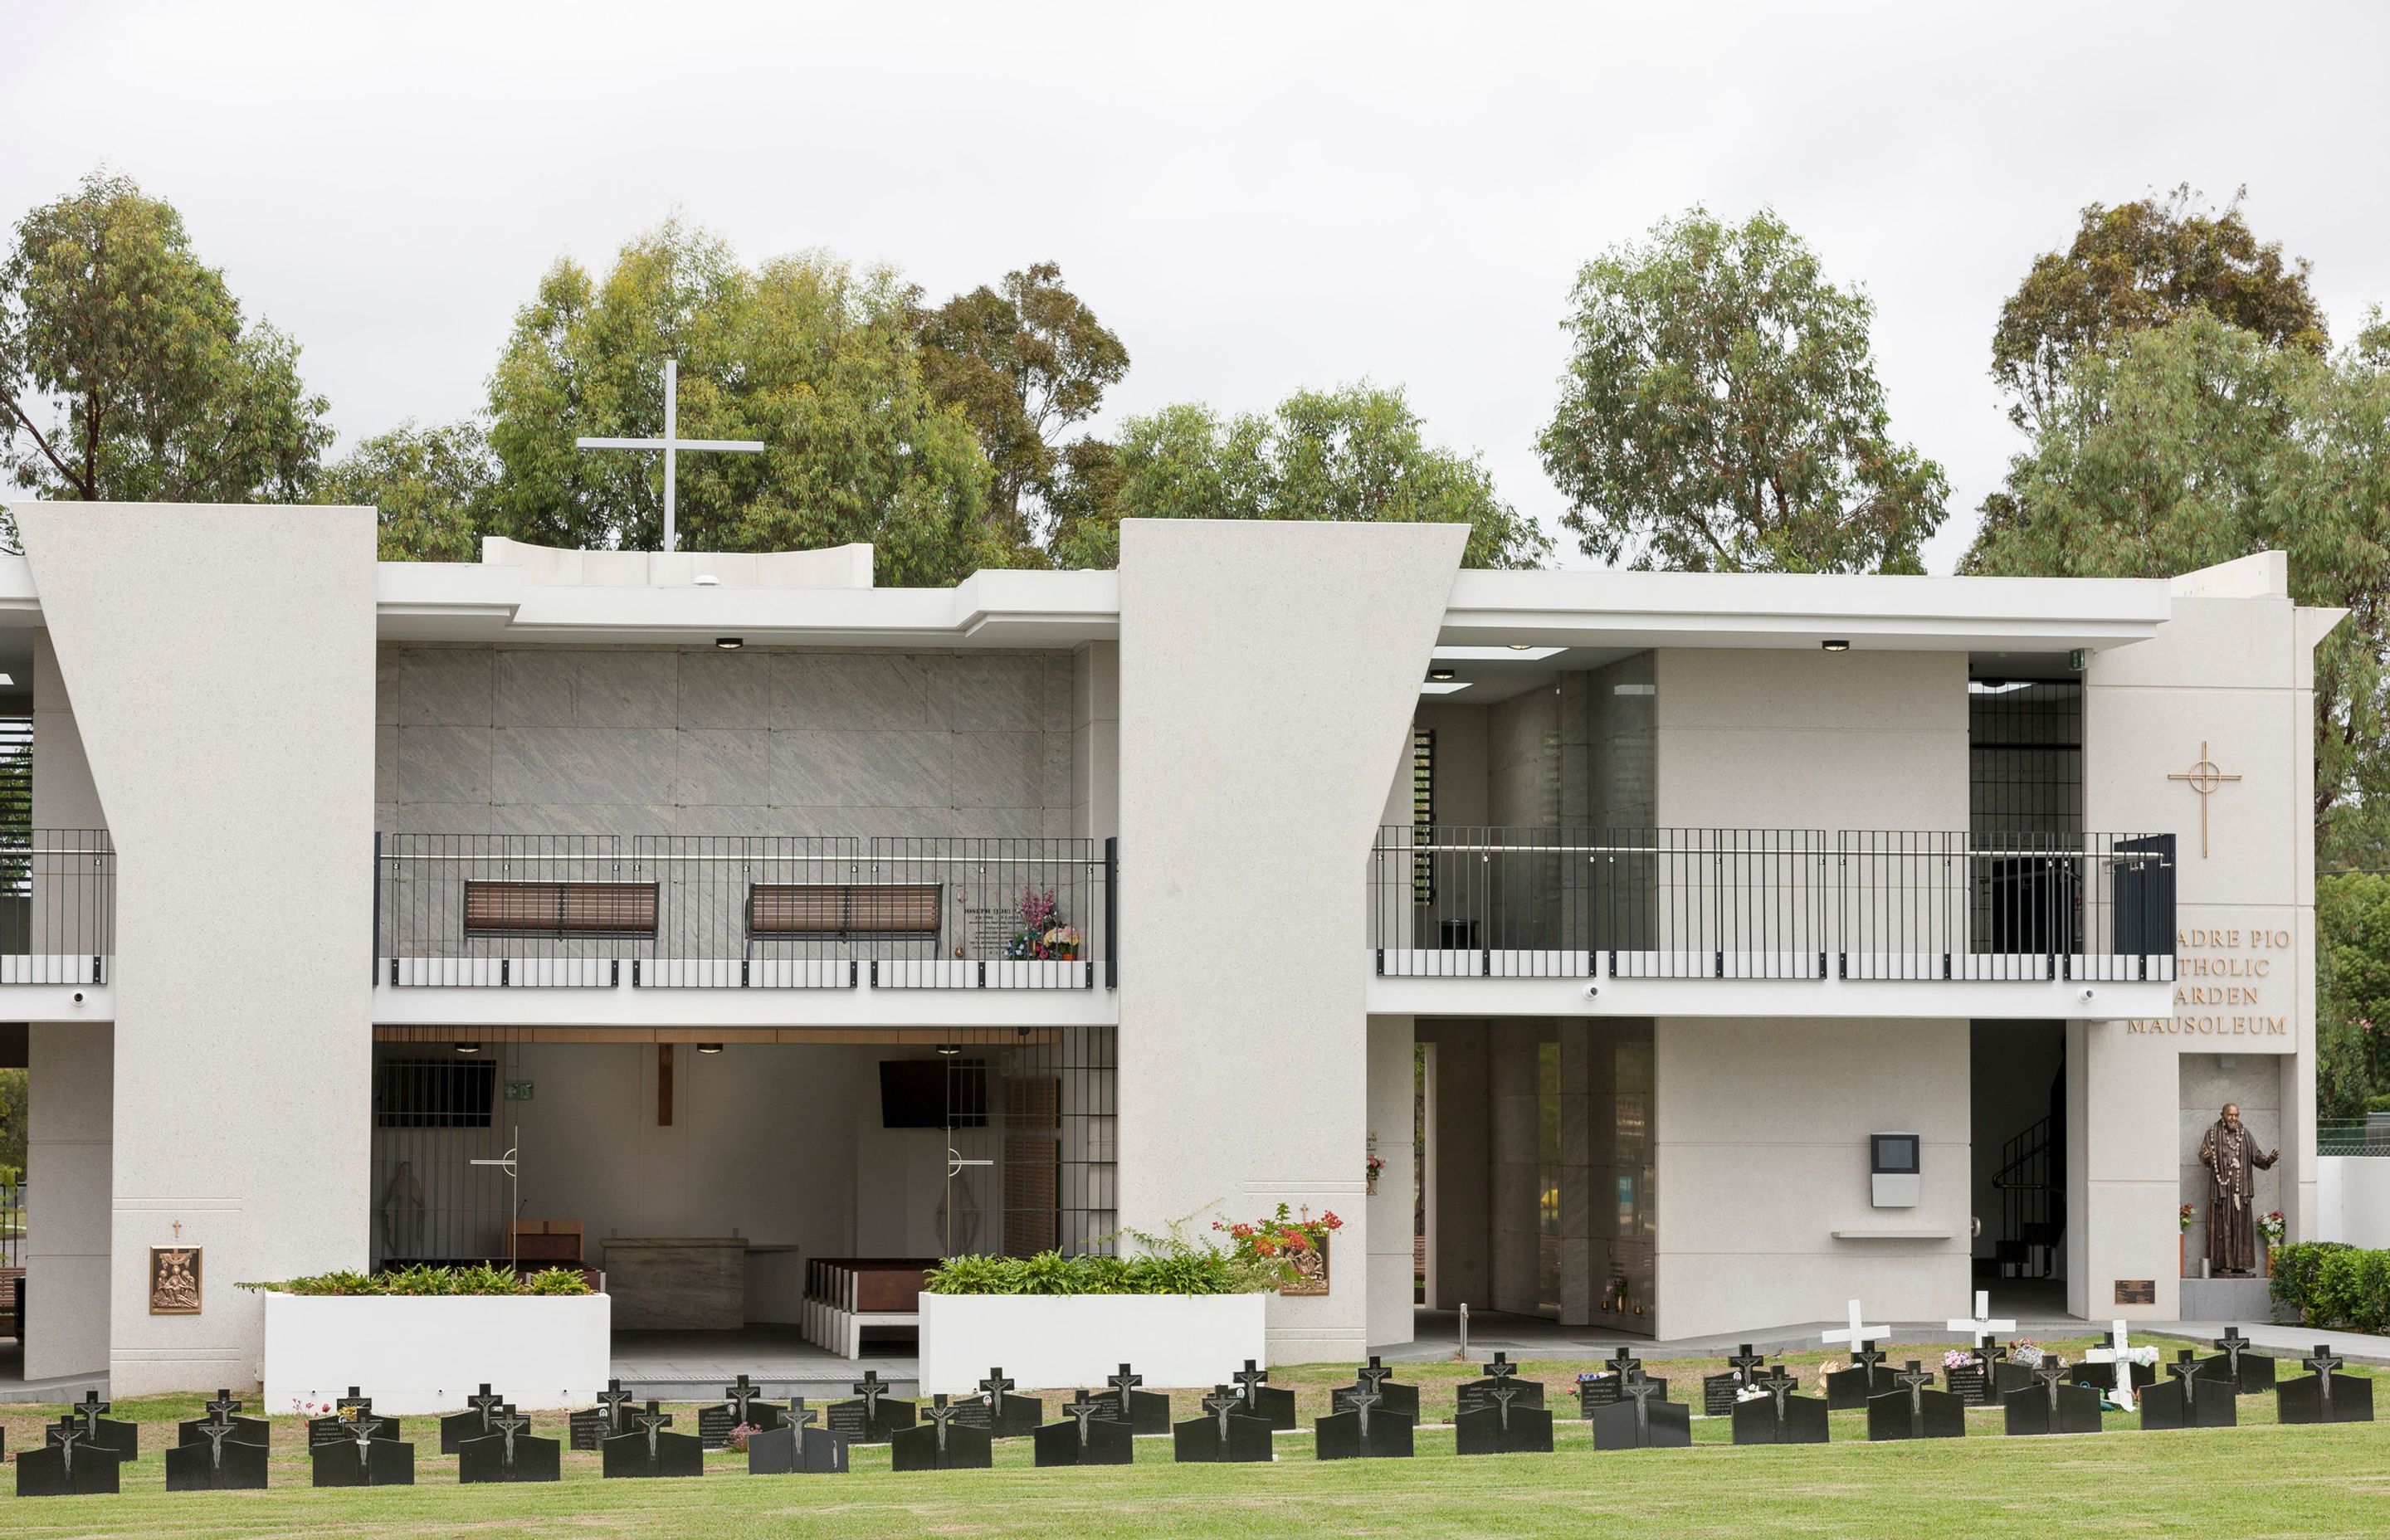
x,y
683,1365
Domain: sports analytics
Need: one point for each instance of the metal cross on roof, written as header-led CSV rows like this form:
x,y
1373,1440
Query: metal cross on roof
x,y
672,444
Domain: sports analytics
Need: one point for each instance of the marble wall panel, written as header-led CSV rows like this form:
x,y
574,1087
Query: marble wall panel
x,y
584,764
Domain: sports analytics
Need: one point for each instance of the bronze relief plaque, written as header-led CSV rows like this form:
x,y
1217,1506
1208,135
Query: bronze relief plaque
x,y
2136,1290
173,1280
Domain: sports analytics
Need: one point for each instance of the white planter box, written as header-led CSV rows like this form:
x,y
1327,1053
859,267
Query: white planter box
x,y
1055,1341
424,1354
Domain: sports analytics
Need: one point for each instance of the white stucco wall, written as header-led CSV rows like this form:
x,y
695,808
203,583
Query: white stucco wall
x,y
68,1152
1762,1138
2233,670
1269,675
1389,1208
221,665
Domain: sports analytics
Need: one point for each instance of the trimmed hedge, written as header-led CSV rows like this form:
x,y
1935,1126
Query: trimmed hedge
x,y
1196,1272
2326,1283
413,1281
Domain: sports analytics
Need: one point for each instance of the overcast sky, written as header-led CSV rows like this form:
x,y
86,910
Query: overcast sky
x,y
1254,197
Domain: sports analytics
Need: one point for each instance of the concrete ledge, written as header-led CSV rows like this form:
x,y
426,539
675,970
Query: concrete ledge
x,y
2227,1299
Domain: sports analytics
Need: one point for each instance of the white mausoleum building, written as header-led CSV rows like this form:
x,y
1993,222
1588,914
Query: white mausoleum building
x,y
1619,915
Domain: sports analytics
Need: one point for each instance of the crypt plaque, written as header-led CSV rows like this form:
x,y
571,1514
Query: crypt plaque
x,y
173,1280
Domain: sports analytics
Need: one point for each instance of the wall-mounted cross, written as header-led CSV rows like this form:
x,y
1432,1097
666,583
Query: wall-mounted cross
x,y
2204,776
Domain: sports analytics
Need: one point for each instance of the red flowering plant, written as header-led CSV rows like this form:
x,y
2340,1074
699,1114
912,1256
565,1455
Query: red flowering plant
x,y
1039,932
1288,1247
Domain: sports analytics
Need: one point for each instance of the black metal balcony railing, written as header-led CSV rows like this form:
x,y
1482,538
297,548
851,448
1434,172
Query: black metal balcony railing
x,y
1771,904
741,911
58,906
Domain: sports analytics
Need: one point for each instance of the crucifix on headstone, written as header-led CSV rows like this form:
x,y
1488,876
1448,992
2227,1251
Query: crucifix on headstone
x,y
939,1413
652,1422
994,1387
63,1438
1779,1384
1084,1409
2052,1374
1122,1383
507,1422
361,1432
1621,1364
215,1430
1502,1393
484,1402
2117,1351
1361,1401
1744,1361
1249,1380
871,1388
2232,1344
1221,1403
610,1401
2184,1369
90,1409
1500,1368
742,1396
1916,1380
1374,1374
672,444
799,1415
225,1403
2324,1363
1642,1390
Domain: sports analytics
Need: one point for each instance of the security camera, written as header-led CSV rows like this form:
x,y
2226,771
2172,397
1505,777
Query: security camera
x,y
78,996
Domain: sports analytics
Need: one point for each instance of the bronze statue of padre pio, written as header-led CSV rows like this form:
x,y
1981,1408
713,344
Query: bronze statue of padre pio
x,y
2231,1157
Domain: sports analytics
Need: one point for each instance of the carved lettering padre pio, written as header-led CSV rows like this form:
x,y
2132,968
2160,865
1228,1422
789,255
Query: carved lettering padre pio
x,y
2225,976
173,1280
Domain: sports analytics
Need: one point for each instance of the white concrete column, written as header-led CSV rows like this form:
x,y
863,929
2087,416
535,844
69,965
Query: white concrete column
x,y
68,1158
1389,1208
2121,1172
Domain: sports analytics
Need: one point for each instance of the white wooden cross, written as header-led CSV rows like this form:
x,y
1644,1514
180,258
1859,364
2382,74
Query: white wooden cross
x,y
1859,1335
672,444
2118,1353
1983,1326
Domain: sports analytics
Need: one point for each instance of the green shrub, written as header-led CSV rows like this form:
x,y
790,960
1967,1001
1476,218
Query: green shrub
x,y
2298,1282
1052,1272
480,1280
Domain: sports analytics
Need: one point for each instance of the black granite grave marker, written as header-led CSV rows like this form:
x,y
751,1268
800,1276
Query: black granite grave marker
x,y
1009,1416
1094,1435
472,1422
1365,1431
1779,1417
247,1429
873,1416
793,1446
68,1464
1971,1382
939,1443
1505,1424
1719,1392
365,1454
1472,1395
2192,1397
222,1458
2005,1373
588,1431
649,1450
1146,1412
2321,1395
2248,1372
2054,1404
1267,1402
105,1433
1602,1388
1642,1418
334,1430
1392,1397
1226,1433
510,1452
1915,1410
716,1423
1850,1389
1746,1365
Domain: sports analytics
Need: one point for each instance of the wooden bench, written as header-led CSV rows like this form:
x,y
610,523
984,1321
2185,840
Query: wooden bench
x,y
845,1294
844,908
597,910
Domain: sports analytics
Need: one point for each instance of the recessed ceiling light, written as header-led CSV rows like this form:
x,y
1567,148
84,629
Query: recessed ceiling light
x,y
948,1050
730,644
1441,674
709,1047
1837,645
469,1048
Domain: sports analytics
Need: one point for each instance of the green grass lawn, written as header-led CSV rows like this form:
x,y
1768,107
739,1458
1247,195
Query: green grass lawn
x,y
2256,1479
